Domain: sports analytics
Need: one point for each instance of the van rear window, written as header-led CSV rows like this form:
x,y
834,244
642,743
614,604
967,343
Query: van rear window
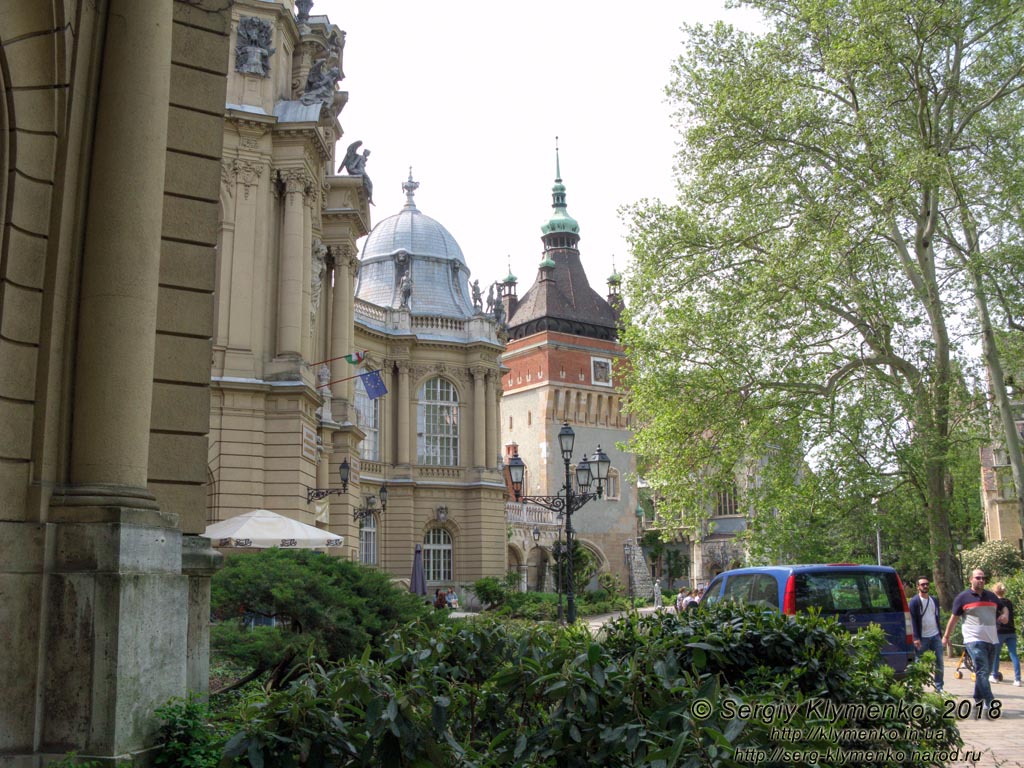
x,y
851,592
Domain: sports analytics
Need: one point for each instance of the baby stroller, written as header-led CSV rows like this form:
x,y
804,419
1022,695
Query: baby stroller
x,y
966,663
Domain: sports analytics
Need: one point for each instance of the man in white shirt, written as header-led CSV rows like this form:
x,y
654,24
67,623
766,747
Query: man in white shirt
x,y
924,618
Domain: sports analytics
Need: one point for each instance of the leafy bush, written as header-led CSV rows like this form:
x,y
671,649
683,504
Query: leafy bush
x,y
610,583
189,735
332,606
491,591
999,559
499,693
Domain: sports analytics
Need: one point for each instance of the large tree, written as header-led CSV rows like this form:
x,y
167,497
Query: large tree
x,y
804,297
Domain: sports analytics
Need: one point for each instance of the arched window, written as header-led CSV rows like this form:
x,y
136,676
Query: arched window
x,y
437,555
368,418
368,540
437,428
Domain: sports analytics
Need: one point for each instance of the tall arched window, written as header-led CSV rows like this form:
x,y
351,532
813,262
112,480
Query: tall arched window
x,y
437,428
437,555
368,540
368,418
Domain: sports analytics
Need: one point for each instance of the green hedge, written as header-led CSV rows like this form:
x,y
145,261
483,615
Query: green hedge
x,y
490,693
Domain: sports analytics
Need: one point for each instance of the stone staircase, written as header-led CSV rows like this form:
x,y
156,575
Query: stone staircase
x,y
640,582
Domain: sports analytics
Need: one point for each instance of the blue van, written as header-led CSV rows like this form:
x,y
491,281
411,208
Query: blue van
x,y
857,595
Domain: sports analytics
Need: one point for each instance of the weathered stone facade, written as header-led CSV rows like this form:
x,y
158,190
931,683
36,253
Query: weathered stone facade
x,y
111,146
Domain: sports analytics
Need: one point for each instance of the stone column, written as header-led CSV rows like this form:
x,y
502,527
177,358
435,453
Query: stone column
x,y
114,614
479,419
306,332
291,269
341,320
121,259
493,427
404,433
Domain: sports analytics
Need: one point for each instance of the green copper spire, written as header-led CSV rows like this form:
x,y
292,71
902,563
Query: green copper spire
x,y
560,220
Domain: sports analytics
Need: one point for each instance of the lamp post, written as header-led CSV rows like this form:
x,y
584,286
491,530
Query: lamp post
x,y
587,471
344,472
370,505
539,581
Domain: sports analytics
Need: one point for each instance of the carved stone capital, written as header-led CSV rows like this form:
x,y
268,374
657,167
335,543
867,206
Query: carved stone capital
x,y
228,174
248,174
295,181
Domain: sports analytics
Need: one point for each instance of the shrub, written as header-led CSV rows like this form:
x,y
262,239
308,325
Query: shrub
x,y
332,606
500,693
189,735
999,560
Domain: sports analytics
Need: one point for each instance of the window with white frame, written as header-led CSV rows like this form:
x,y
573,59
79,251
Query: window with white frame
x,y
368,418
437,555
368,540
437,428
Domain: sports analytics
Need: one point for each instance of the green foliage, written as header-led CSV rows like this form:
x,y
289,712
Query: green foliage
x,y
999,560
190,737
610,583
499,693
804,303
584,564
327,604
491,591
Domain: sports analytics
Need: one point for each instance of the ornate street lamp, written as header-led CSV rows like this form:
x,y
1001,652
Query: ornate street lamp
x,y
370,505
588,471
315,494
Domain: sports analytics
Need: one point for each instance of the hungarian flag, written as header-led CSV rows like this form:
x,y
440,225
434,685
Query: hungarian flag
x,y
355,358
373,384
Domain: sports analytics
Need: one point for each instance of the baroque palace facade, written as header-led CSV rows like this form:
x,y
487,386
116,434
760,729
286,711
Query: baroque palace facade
x,y
294,299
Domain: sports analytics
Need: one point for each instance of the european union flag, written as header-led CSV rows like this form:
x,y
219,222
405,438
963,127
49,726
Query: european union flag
x,y
374,384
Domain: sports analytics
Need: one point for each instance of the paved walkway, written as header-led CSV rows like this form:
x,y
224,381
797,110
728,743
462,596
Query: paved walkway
x,y
1000,742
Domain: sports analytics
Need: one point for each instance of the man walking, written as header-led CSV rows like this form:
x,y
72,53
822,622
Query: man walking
x,y
924,618
980,609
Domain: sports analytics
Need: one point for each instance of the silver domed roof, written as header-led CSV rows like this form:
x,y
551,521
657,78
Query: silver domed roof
x,y
412,232
411,246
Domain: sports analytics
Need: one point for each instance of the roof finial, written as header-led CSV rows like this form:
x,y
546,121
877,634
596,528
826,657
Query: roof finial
x,y
558,164
410,187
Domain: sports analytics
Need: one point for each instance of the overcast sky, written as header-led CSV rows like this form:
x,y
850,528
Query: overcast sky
x,y
472,95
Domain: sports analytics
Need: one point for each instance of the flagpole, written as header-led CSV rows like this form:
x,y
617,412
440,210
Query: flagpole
x,y
339,357
347,378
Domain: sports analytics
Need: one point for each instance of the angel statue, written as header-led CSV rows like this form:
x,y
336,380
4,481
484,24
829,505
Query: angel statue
x,y
355,164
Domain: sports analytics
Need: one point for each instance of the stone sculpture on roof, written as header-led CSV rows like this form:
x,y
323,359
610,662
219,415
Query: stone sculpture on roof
x,y
321,85
355,165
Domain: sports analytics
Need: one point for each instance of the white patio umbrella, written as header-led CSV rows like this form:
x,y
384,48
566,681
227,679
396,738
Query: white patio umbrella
x,y
262,528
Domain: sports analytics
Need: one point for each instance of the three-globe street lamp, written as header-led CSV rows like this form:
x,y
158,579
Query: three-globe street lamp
x,y
587,471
